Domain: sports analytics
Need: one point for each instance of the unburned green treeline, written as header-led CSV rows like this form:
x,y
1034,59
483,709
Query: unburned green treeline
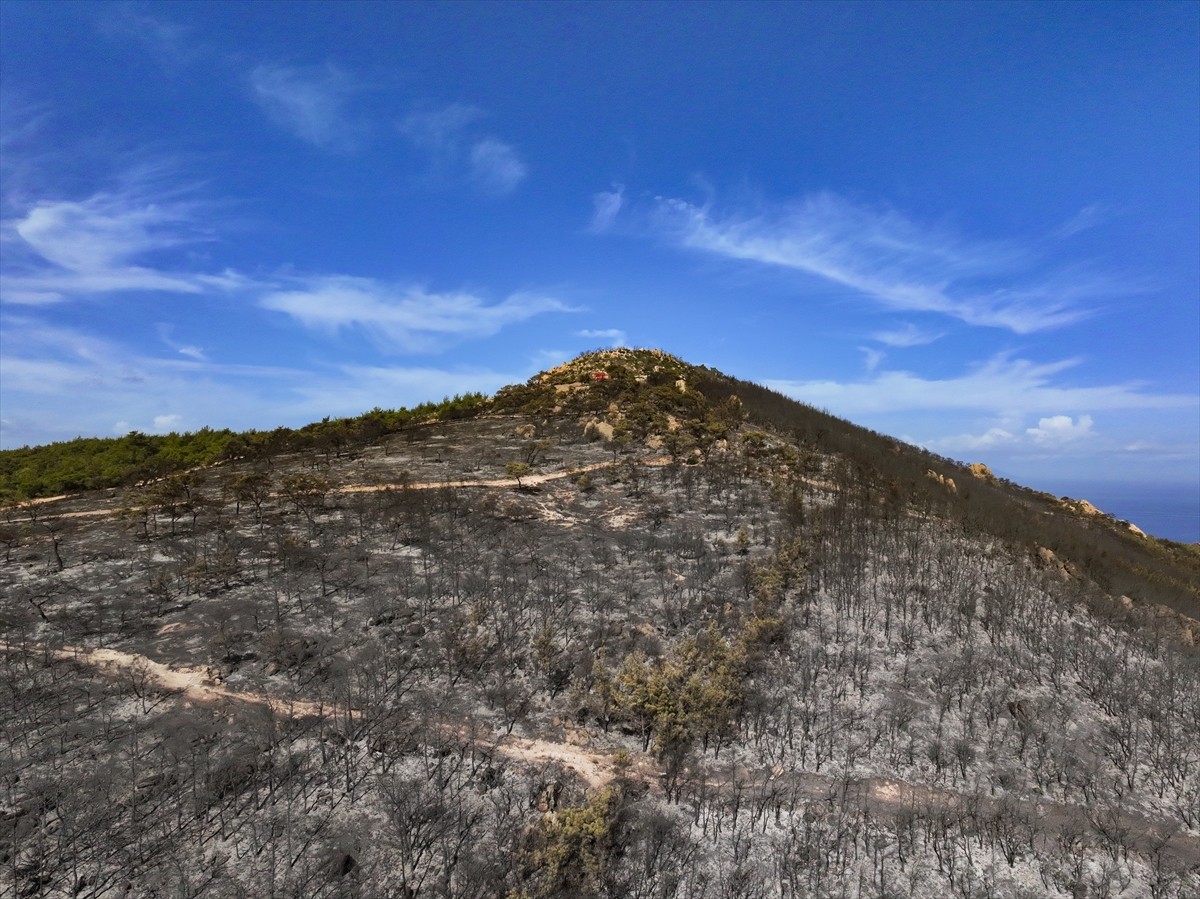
x,y
90,463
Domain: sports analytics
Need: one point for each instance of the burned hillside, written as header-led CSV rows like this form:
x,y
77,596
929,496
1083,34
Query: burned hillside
x,y
632,629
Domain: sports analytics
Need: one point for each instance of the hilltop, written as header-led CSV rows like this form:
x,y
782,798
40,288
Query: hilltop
x,y
632,628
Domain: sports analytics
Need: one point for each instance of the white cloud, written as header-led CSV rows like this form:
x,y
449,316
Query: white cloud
x,y
1088,217
402,316
614,336
544,359
310,103
872,357
166,335
52,357
907,336
1054,434
458,153
992,438
61,249
1060,429
440,132
171,45
24,151
606,205
353,389
57,383
98,234
167,422
1001,385
891,260
495,167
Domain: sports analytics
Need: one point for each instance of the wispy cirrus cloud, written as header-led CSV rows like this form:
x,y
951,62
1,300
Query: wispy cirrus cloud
x,y
353,389
992,438
872,357
172,46
458,151
64,249
310,103
909,335
496,168
891,260
439,131
612,336
120,242
1001,385
402,316
606,206
166,333
1085,219
22,120
57,383
104,360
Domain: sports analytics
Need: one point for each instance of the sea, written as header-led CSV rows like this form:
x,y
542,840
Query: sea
x,y
1170,511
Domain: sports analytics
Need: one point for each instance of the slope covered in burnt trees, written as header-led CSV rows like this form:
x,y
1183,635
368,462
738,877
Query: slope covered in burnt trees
x,y
633,629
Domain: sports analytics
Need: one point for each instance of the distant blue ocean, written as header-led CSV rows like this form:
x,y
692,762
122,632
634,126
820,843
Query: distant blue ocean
x,y
1164,510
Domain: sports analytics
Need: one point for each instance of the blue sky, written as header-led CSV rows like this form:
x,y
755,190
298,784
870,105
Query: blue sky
x,y
973,226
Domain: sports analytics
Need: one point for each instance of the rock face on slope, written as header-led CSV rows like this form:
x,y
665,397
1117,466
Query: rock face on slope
x,y
709,643
939,478
1087,510
1080,506
981,471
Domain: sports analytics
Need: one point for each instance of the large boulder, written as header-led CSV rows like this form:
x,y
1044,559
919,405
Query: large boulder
x,y
981,471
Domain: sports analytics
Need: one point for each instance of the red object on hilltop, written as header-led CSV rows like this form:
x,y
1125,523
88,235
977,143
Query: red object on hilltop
x,y
599,376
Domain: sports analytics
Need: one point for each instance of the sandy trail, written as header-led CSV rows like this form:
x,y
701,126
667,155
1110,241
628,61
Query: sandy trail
x,y
598,768
526,481
196,684
199,686
595,768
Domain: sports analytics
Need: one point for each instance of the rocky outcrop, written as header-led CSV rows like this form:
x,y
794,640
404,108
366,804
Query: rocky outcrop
x,y
1086,509
946,482
1081,507
596,429
981,471
1050,562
